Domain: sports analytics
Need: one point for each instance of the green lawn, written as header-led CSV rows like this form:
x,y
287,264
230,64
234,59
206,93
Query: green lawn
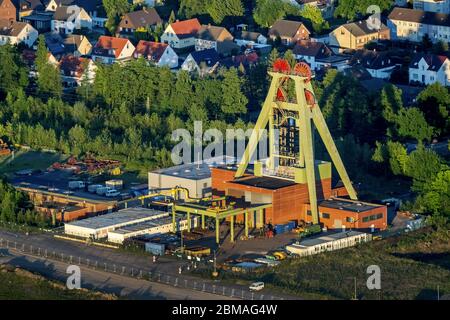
x,y
24,159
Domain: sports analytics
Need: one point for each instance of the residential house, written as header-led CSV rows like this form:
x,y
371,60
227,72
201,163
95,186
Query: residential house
x,y
413,25
74,70
8,10
312,52
67,19
203,62
379,64
94,8
356,34
28,7
55,44
138,21
77,45
218,38
289,32
159,53
52,5
17,33
246,60
181,34
41,20
438,6
109,50
250,39
429,68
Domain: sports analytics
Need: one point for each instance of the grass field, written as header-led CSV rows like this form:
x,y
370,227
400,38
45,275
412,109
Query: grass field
x,y
24,159
22,285
412,267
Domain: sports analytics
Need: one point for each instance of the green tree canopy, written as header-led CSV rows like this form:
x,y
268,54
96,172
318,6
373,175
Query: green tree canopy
x,y
13,72
48,76
219,9
434,102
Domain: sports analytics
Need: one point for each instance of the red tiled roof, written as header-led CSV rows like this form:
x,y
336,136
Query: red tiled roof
x,y
70,63
186,28
151,50
107,43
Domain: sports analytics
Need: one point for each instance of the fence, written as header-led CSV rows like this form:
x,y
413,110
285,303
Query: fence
x,y
137,273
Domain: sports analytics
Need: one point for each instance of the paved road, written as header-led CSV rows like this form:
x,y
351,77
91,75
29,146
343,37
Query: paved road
x,y
122,286
119,262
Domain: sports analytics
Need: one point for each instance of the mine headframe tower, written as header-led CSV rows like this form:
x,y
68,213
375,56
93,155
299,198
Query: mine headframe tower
x,y
291,112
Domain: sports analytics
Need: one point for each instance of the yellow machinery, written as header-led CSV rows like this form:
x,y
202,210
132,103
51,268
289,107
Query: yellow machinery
x,y
215,208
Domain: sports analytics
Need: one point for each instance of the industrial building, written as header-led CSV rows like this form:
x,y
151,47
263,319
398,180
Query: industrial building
x,y
153,227
329,242
290,184
194,177
65,207
98,227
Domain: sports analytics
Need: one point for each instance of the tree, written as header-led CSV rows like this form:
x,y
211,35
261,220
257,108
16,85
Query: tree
x,y
268,11
398,157
440,47
48,76
77,139
219,9
114,10
434,102
422,166
13,73
234,101
290,58
435,197
314,15
412,124
191,8
172,17
351,9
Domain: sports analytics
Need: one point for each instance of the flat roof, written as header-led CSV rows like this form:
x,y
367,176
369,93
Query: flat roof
x,y
348,205
270,183
143,225
196,170
310,242
123,216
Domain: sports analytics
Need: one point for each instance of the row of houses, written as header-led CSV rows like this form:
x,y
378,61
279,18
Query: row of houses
x,y
193,46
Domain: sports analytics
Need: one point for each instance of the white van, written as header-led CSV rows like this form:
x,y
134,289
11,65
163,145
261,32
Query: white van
x,y
93,187
112,193
102,190
256,286
76,185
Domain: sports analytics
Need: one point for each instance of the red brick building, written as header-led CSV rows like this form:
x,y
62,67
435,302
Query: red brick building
x,y
290,201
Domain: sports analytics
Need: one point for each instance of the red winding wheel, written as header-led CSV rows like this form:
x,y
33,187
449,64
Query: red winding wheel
x,y
282,66
303,69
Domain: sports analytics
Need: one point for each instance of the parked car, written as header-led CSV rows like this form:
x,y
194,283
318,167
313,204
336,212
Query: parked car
x,y
256,286
112,193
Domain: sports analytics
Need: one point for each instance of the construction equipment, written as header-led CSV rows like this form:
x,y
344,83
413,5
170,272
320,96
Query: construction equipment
x,y
279,255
